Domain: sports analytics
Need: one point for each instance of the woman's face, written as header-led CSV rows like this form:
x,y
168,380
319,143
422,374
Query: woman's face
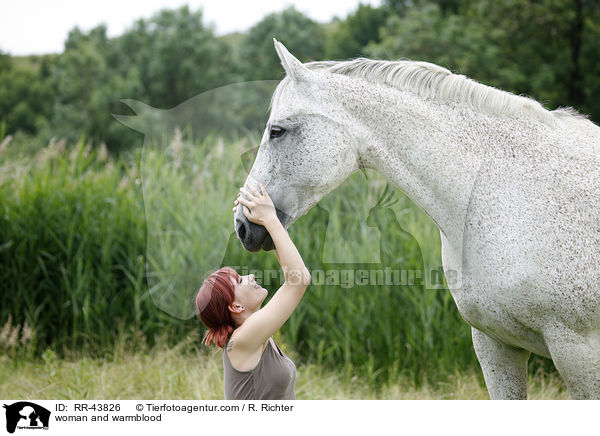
x,y
248,293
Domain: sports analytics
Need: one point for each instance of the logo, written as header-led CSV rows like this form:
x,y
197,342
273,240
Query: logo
x,y
26,415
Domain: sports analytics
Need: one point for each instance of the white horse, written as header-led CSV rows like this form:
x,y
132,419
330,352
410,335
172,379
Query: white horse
x,y
514,189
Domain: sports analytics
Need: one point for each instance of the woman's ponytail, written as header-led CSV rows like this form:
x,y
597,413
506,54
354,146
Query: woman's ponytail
x,y
212,305
218,336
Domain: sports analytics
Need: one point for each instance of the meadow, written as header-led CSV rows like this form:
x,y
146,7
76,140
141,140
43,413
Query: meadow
x,y
187,372
101,256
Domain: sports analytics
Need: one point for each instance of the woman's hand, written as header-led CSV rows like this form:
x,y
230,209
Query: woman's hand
x,y
257,207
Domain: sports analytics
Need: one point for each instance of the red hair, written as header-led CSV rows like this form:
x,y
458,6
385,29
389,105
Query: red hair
x,y
212,305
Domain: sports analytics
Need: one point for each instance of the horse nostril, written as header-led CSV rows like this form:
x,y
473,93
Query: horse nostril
x,y
241,230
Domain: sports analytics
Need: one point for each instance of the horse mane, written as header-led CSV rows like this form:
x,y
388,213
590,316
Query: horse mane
x,y
431,81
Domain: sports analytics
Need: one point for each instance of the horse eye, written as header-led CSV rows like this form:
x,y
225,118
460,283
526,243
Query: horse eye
x,y
276,132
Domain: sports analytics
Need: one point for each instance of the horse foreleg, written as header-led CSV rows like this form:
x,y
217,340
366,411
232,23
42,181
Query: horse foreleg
x,y
577,359
504,367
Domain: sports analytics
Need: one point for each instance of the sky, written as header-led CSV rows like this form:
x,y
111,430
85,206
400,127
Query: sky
x,y
41,26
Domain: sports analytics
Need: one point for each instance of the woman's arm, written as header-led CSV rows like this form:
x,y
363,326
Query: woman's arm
x,y
259,326
294,270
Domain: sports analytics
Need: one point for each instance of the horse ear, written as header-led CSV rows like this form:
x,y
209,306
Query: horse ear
x,y
146,115
292,66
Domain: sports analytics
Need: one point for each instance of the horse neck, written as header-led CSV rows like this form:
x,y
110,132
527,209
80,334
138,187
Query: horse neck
x,y
430,150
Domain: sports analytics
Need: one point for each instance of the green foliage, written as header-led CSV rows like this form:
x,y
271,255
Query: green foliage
x,y
354,33
72,249
88,90
302,36
162,61
546,49
176,57
5,62
535,48
25,99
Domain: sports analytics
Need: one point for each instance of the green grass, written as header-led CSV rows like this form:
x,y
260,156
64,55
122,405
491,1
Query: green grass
x,y
186,371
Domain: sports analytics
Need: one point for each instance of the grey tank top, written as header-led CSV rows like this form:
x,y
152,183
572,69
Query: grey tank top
x,y
273,378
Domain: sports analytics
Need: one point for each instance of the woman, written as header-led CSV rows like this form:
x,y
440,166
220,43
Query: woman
x,y
254,367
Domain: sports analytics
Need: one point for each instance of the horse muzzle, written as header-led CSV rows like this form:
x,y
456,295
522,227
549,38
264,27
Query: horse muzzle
x,y
255,237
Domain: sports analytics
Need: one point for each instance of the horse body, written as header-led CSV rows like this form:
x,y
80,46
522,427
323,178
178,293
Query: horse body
x,y
528,266
522,232
529,258
513,188
530,282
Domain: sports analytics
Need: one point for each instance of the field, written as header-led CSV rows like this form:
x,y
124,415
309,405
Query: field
x,y
78,228
171,373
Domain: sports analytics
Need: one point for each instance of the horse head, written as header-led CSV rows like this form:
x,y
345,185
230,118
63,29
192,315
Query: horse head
x,y
309,147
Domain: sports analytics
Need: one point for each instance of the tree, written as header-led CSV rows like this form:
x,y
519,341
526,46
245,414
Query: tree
x,y
547,49
257,59
25,98
5,62
88,91
401,7
354,33
176,55
162,61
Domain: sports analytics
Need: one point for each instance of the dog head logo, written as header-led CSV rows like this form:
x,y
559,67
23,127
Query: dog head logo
x,y
26,415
